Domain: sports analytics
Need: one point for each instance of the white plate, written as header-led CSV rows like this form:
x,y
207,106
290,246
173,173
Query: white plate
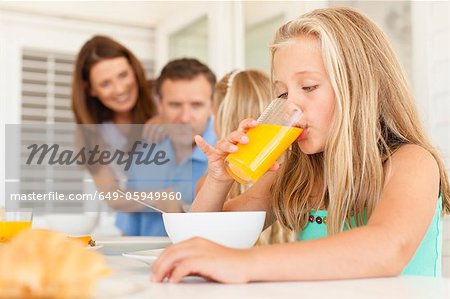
x,y
146,256
96,247
119,245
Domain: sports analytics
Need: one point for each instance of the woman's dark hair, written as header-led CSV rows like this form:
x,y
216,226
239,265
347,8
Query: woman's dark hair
x,y
87,108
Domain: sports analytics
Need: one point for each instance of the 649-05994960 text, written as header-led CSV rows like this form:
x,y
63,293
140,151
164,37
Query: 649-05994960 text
x,y
97,195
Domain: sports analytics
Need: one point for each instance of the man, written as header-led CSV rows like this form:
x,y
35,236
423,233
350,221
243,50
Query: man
x,y
184,93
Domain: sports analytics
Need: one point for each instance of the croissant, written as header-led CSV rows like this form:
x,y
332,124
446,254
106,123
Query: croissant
x,y
40,263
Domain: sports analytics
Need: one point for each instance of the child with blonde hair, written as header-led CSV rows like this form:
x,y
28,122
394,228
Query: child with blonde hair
x,y
362,184
238,95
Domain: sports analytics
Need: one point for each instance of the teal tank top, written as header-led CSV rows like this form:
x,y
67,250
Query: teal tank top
x,y
427,261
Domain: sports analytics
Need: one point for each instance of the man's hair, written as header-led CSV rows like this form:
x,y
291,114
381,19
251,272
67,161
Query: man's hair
x,y
184,69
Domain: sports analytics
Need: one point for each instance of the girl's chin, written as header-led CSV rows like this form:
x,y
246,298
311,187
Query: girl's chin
x,y
308,149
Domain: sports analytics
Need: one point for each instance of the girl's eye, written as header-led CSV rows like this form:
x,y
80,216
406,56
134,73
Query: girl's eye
x,y
310,88
283,95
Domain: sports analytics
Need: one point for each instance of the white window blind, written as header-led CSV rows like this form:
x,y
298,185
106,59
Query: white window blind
x,y
46,88
46,80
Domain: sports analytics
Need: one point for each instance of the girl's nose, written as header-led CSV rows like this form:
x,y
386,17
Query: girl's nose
x,y
298,101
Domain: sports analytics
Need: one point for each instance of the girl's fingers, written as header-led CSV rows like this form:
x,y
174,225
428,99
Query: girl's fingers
x,y
183,269
165,263
228,144
246,124
236,137
172,255
225,146
203,145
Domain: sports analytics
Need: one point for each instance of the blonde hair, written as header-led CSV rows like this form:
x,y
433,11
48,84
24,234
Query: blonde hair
x,y
239,95
375,114
245,95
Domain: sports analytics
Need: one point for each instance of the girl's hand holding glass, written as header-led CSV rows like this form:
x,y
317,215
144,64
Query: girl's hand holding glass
x,y
216,155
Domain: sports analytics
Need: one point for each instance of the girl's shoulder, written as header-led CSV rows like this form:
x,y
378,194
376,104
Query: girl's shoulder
x,y
411,158
411,152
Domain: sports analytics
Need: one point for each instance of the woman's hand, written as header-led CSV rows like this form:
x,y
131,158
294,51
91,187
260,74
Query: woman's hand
x,y
154,130
216,155
200,257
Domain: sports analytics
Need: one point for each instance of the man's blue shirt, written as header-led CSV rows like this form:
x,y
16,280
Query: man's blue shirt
x,y
180,178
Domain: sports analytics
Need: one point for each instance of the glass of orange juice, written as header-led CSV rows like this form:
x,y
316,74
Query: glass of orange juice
x,y
273,135
12,223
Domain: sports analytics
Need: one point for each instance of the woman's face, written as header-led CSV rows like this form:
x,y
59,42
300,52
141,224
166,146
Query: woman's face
x,y
300,77
113,82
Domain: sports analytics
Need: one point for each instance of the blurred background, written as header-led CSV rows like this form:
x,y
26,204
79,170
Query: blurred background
x,y
39,41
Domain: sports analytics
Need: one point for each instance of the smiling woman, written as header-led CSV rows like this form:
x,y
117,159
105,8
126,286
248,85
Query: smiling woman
x,y
109,85
114,84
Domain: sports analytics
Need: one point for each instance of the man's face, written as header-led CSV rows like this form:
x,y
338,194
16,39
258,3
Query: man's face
x,y
186,102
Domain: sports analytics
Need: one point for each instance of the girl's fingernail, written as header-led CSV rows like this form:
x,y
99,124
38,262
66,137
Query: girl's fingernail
x,y
233,148
244,139
254,122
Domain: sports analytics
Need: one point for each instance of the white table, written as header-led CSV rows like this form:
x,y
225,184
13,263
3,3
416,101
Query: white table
x,y
128,271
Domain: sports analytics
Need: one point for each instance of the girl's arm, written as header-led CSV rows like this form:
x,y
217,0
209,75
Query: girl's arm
x,y
213,194
381,248
199,185
215,187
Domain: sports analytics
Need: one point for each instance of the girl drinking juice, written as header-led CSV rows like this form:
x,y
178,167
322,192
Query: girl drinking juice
x,y
362,185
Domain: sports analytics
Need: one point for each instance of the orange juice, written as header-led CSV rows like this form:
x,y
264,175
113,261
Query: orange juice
x,y
267,143
8,229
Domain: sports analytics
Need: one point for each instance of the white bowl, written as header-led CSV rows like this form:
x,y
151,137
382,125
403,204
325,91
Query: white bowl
x,y
73,224
231,229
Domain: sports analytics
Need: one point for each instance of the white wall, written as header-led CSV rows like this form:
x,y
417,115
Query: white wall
x,y
225,33
259,11
226,27
431,57
144,14
431,77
